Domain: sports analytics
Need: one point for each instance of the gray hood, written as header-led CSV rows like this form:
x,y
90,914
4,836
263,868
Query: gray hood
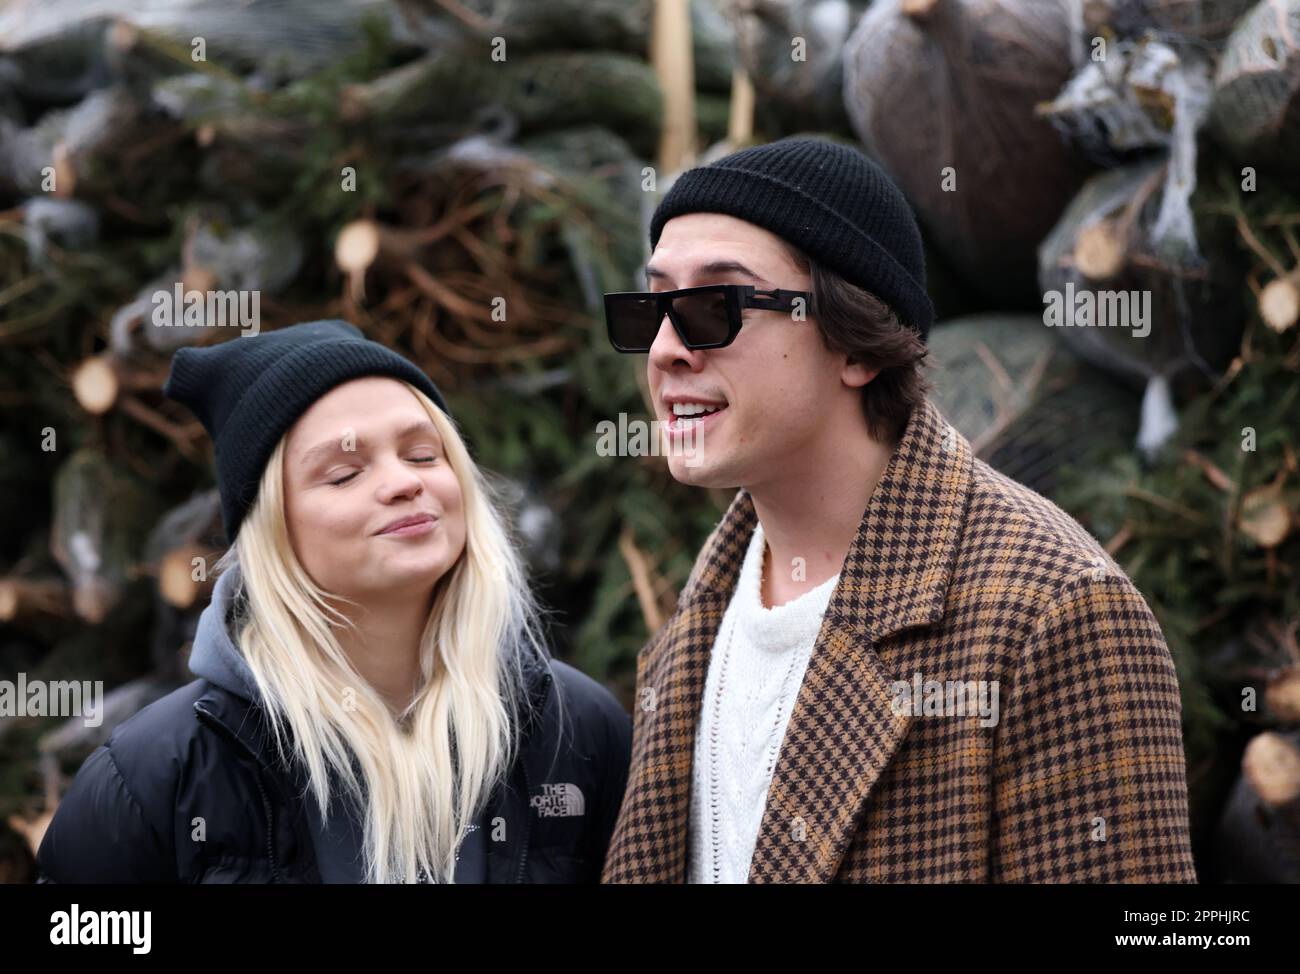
x,y
215,655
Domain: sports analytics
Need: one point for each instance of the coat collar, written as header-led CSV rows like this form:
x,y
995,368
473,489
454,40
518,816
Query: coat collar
x,y
842,731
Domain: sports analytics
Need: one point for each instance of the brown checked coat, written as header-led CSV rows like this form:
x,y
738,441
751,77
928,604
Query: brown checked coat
x,y
956,573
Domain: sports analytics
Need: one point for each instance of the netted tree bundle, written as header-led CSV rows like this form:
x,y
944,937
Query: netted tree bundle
x,y
89,150
98,519
60,50
714,41
614,25
55,70
1023,398
287,38
793,53
539,91
599,254
1256,106
248,146
942,92
1131,101
528,26
1108,253
238,259
1208,20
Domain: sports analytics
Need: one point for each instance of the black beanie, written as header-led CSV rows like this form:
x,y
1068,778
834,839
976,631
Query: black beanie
x,y
827,199
248,392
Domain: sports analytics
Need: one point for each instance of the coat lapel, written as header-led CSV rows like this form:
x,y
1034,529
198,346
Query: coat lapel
x,y
842,731
650,841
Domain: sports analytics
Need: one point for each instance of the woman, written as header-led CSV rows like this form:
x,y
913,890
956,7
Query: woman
x,y
374,703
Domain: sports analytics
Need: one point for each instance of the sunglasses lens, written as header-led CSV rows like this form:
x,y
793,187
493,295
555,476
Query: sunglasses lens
x,y
703,317
633,323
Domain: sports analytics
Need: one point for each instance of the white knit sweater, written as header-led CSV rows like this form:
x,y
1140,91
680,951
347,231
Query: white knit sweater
x,y
755,671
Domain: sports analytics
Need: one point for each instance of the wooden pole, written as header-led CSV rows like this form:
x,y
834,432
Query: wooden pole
x,y
674,63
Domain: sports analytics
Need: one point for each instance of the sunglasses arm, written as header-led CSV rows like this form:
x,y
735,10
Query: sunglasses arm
x,y
775,300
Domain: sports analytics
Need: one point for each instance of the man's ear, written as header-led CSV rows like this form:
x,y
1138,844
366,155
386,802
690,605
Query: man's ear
x,y
856,374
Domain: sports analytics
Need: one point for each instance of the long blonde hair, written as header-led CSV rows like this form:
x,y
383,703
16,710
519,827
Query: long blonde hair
x,y
419,779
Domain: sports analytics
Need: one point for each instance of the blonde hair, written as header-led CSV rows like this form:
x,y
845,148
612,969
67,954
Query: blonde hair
x,y
418,779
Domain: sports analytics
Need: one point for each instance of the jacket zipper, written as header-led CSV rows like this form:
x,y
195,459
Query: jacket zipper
x,y
528,821
225,732
270,826
523,768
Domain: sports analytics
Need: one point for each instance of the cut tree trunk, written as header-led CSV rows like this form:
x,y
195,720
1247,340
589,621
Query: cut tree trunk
x,y
1258,839
1103,252
1256,107
949,91
1016,391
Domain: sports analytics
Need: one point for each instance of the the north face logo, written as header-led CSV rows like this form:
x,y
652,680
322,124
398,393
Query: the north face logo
x,y
559,800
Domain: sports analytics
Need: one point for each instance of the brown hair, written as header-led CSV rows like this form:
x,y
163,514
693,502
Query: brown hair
x,y
856,322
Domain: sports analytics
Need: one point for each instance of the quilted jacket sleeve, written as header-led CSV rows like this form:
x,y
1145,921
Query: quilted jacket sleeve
x,y
1090,774
101,833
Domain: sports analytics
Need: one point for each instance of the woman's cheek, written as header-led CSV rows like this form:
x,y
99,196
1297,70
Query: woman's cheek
x,y
447,490
335,523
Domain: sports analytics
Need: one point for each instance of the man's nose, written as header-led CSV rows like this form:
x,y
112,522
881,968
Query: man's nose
x,y
668,350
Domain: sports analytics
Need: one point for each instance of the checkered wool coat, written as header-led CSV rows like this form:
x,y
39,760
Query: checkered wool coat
x,y
958,573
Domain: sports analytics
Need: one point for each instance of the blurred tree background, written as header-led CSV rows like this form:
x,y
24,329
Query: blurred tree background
x,y
464,179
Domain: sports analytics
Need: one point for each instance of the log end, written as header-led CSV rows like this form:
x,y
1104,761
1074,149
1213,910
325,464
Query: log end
x,y
1271,765
918,9
357,246
177,583
1279,304
1098,251
95,384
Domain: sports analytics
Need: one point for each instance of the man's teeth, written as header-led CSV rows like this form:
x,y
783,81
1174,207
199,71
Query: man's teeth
x,y
692,409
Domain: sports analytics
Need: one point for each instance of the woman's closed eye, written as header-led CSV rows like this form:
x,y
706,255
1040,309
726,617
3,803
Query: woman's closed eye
x,y
415,459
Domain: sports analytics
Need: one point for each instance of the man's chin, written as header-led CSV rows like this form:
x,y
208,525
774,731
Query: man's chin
x,y
694,473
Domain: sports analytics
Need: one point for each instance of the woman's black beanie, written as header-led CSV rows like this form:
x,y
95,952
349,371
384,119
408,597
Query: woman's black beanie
x,y
249,391
829,200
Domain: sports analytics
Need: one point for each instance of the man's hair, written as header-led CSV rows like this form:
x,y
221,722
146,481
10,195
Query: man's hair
x,y
856,322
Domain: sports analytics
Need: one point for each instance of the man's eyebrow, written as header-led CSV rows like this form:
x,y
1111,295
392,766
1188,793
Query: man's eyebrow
x,y
713,267
328,448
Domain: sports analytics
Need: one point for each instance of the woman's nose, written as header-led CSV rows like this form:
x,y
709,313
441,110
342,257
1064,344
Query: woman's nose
x,y
399,480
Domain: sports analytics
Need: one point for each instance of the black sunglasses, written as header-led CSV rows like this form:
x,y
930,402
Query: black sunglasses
x,y
703,317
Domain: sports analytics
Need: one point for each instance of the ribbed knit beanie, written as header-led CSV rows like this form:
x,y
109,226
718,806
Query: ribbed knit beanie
x,y
249,391
829,200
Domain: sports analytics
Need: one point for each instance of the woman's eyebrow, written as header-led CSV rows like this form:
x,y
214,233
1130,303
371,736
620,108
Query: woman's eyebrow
x,y
328,448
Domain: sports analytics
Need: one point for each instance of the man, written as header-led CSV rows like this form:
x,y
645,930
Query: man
x,y
890,663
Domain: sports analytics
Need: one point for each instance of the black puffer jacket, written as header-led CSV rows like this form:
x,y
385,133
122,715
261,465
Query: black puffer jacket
x,y
204,753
